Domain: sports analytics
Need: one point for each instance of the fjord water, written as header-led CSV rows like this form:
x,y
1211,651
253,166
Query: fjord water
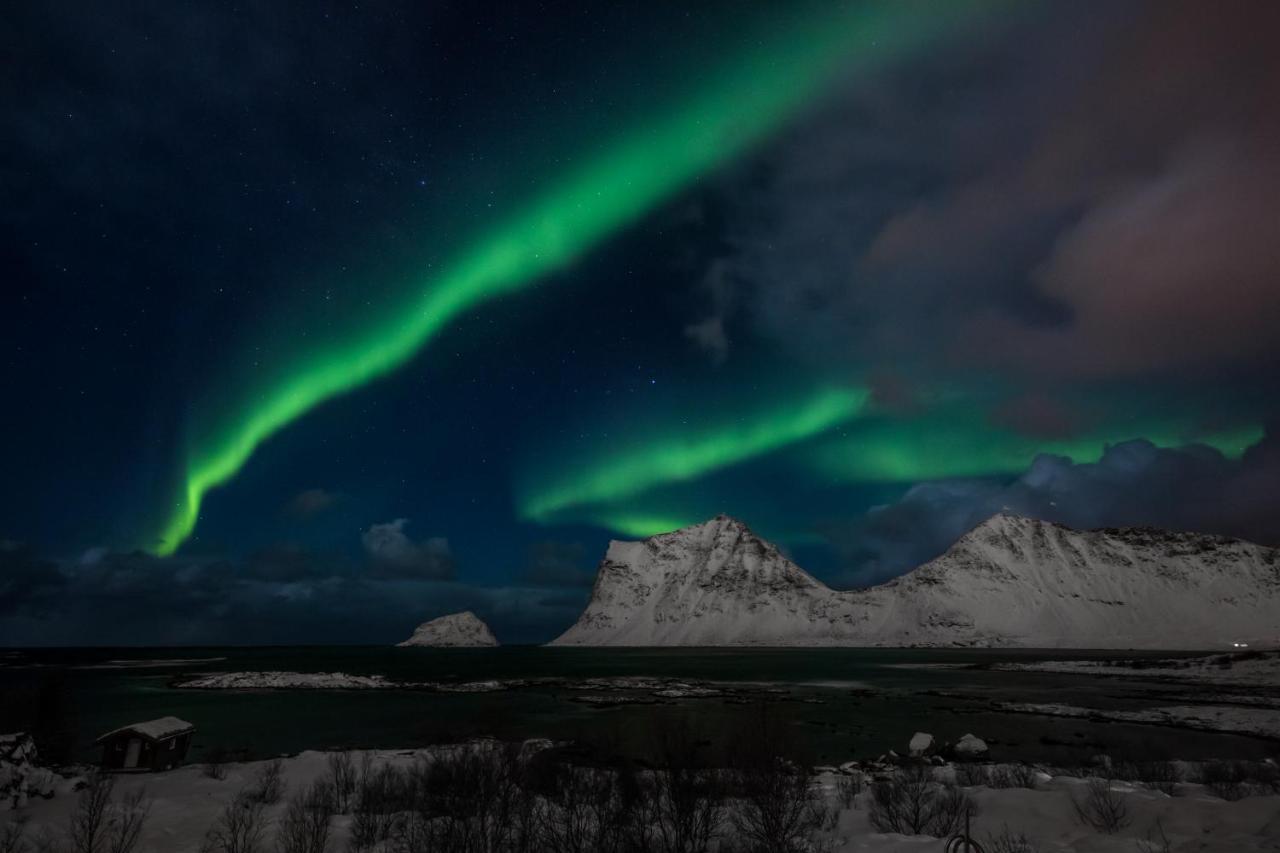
x,y
839,704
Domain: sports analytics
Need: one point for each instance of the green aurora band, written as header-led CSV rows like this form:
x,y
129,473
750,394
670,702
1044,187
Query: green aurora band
x,y
765,82
836,437
958,444
687,453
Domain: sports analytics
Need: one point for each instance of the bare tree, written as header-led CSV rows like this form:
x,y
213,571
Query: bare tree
x,y
777,809
342,779
127,819
384,795
1102,807
680,806
87,828
215,763
238,829
268,784
304,828
99,825
848,787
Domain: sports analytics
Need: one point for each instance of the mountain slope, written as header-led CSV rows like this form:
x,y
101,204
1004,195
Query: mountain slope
x,y
1009,582
456,630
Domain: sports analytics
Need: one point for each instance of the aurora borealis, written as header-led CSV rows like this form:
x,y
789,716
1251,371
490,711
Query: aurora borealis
x,y
500,284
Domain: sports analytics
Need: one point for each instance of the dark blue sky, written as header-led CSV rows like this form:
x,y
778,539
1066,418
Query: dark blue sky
x,y
1045,229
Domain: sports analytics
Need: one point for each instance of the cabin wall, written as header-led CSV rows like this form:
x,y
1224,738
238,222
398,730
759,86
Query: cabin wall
x,y
152,755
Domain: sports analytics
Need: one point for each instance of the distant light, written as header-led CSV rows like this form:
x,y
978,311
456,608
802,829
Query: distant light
x,y
1240,645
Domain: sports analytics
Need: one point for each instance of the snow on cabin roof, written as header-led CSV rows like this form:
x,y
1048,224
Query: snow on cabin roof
x,y
155,729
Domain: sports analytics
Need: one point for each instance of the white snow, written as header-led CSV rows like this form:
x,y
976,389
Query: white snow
x,y
1010,582
21,777
273,680
455,630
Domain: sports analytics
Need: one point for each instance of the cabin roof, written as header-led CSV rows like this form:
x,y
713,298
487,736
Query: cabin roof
x,y
157,729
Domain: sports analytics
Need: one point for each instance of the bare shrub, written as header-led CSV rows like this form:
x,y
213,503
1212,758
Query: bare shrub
x,y
1013,776
268,784
468,798
1007,841
238,829
1102,807
680,806
1162,776
586,810
1226,779
972,775
304,828
912,802
778,809
215,763
342,779
382,797
848,787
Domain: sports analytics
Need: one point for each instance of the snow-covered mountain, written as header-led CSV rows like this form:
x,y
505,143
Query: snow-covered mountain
x,y
1011,581
456,629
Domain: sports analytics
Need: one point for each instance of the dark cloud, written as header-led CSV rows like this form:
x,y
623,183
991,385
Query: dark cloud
x,y
27,582
557,564
1096,210
1135,483
280,596
394,554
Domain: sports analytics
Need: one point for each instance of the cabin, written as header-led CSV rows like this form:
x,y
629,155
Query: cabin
x,y
145,747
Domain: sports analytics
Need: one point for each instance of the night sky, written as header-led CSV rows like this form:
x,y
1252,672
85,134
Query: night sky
x,y
323,319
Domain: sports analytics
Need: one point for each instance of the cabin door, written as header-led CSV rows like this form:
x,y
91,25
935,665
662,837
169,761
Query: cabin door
x,y
131,753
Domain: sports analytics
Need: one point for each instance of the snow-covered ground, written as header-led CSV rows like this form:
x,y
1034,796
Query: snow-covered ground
x,y
1010,582
185,802
271,680
1235,669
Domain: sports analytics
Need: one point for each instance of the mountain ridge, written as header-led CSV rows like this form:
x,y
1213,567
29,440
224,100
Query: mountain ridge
x,y
1010,581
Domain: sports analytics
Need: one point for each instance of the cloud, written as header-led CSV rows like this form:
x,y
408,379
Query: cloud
x,y
709,334
310,502
557,564
396,555
1135,483
1095,213
27,582
281,595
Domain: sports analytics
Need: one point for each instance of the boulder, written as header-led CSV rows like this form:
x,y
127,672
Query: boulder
x,y
920,745
971,746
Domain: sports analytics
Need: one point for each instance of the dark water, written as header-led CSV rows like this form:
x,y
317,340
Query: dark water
x,y
839,703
